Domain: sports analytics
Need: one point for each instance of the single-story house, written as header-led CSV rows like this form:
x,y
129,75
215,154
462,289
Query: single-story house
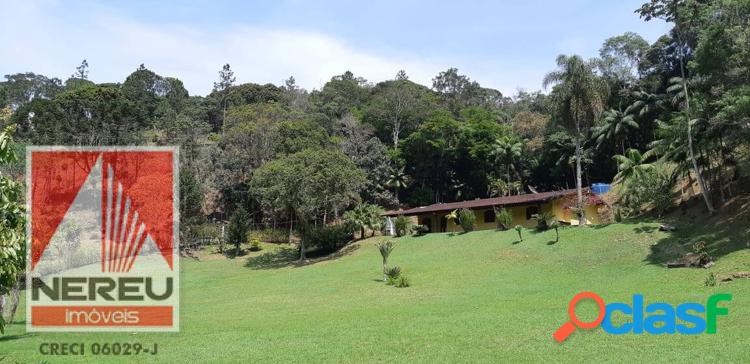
x,y
521,207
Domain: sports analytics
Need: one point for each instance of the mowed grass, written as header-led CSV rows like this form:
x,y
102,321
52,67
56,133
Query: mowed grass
x,y
475,297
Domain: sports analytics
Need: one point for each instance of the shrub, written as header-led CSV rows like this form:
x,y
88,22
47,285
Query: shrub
x,y
467,218
254,245
710,280
618,215
420,230
327,238
402,225
503,218
543,220
518,230
392,274
403,281
270,235
654,188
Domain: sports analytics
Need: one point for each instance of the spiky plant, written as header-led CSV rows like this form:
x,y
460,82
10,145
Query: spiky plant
x,y
385,251
392,274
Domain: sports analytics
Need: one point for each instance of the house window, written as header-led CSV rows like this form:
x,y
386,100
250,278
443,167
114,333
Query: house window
x,y
531,211
489,216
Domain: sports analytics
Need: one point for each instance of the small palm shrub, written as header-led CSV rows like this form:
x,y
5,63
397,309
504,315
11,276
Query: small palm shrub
x,y
543,220
518,230
503,218
403,281
402,225
392,274
385,251
467,219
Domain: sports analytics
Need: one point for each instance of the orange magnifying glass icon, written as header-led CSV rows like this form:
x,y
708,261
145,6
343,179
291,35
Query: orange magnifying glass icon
x,y
567,328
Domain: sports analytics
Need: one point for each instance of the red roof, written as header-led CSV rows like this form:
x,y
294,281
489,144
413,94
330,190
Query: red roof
x,y
485,202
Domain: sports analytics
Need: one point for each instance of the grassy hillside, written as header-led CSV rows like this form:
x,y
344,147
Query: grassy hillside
x,y
476,297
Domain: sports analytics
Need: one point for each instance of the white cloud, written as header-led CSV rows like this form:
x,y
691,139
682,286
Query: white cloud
x,y
114,46
43,42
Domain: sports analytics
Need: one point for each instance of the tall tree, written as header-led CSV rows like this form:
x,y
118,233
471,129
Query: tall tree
x,y
396,108
582,96
82,71
226,80
620,56
682,14
507,151
458,90
12,233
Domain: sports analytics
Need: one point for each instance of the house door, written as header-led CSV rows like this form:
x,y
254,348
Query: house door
x,y
427,222
443,224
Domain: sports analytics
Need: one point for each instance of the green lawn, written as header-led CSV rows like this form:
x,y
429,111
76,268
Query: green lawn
x,y
476,297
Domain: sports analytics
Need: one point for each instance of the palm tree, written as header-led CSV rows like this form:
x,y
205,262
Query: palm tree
x,y
515,186
359,218
679,89
583,96
374,218
365,216
670,146
614,126
645,102
453,216
397,179
498,188
507,151
632,165
385,251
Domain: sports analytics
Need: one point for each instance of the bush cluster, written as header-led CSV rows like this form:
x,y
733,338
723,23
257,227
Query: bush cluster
x,y
503,218
467,219
327,238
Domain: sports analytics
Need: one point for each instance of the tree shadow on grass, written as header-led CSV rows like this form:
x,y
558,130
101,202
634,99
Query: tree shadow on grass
x,y
645,229
287,256
726,232
281,257
14,337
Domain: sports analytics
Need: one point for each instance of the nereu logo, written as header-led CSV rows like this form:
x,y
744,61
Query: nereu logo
x,y
102,239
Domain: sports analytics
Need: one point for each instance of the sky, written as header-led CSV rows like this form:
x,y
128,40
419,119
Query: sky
x,y
506,45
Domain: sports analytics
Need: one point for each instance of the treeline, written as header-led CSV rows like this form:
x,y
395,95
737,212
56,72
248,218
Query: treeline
x,y
647,114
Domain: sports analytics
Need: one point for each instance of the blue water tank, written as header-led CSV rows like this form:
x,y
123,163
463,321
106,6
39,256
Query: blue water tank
x,y
600,188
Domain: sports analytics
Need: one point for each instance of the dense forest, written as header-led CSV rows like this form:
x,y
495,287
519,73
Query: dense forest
x,y
647,116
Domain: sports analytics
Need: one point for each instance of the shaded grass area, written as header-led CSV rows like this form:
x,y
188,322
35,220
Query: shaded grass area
x,y
475,297
723,234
